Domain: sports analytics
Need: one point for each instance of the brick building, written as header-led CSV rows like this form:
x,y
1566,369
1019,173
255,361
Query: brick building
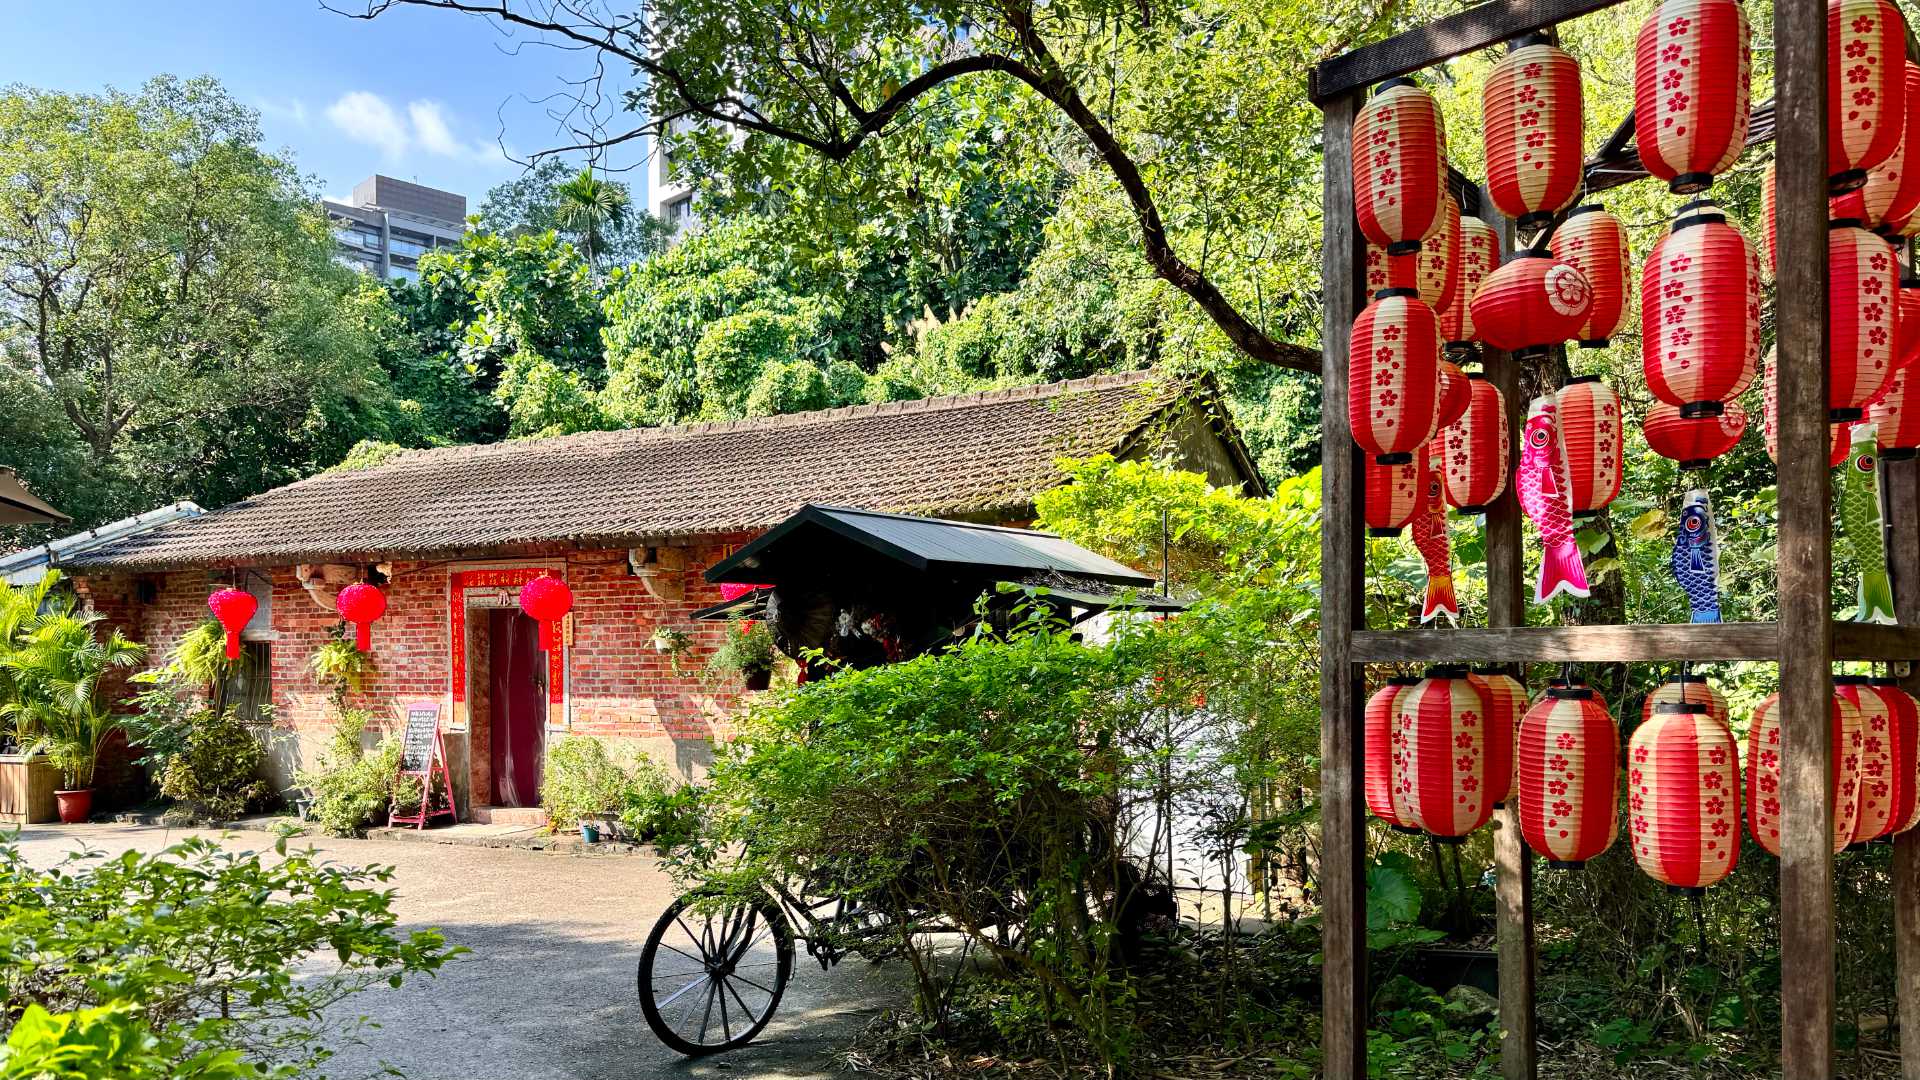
x,y
629,519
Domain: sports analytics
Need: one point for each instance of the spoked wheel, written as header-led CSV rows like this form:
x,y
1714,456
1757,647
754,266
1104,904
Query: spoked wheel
x,y
712,973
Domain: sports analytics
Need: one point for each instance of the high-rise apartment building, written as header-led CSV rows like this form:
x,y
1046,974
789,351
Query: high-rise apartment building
x,y
391,223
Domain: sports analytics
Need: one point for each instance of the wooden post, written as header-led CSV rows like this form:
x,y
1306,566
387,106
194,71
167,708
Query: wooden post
x,y
1506,606
1902,479
1343,833
1805,568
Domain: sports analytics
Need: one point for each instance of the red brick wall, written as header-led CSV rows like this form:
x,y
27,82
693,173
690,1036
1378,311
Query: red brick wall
x,y
617,684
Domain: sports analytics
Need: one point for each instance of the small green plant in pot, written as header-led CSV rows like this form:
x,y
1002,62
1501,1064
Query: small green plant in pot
x,y
57,670
746,653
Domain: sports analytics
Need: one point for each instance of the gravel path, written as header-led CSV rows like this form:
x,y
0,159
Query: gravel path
x,y
547,992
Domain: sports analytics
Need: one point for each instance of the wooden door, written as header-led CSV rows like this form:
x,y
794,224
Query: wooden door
x,y
517,683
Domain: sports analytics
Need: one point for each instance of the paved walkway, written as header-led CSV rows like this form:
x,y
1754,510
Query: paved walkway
x,y
548,990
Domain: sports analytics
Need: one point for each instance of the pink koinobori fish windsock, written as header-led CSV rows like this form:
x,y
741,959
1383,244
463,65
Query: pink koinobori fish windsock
x,y
1545,496
1430,538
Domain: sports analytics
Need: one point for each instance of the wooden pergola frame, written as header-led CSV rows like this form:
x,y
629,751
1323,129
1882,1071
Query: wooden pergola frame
x,y
1804,641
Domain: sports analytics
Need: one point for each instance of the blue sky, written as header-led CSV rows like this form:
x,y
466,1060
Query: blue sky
x,y
423,95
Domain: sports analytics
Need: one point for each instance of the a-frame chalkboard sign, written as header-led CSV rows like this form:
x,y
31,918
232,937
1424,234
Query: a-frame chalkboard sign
x,y
424,755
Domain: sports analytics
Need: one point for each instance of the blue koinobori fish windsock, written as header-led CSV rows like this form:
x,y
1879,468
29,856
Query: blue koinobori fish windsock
x,y
1696,558
1860,519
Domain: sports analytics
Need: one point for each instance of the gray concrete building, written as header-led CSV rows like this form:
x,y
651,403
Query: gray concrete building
x,y
391,223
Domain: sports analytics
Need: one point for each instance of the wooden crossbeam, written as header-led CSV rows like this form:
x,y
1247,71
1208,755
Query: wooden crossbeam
x,y
1424,46
1643,643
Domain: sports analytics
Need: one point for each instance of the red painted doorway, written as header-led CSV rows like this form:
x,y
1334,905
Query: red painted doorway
x,y
517,693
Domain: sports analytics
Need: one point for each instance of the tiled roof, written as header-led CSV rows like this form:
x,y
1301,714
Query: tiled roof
x,y
975,454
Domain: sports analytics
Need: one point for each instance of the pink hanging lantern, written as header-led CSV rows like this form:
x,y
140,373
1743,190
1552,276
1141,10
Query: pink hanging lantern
x,y
546,599
360,604
234,609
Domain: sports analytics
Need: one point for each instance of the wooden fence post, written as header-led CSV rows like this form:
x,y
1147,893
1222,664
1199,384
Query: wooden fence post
x,y
1343,835
1805,567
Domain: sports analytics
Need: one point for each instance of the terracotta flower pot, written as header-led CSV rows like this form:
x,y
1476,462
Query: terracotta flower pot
x,y
75,806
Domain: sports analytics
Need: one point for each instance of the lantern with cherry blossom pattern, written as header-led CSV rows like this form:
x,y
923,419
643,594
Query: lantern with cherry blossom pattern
x,y
547,600
1903,730
1590,430
360,604
1875,816
1700,314
1770,426
234,608
1399,167
1764,746
1443,784
1382,749
1593,241
1436,266
1531,117
1393,376
1693,441
1687,687
1506,704
1896,420
1892,192
1479,256
1475,449
1866,88
1455,392
1862,297
1569,753
1394,494
1906,324
1530,303
1683,796
1692,67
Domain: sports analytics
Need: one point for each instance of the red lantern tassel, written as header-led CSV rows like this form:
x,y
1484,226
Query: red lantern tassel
x,y
233,644
546,635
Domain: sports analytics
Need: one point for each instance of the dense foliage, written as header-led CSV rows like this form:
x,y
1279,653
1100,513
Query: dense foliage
x,y
54,667
192,963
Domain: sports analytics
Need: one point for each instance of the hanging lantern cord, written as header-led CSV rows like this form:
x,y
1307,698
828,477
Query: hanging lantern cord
x,y
1699,898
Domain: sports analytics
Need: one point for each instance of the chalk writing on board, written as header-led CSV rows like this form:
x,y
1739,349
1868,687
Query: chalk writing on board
x,y
416,743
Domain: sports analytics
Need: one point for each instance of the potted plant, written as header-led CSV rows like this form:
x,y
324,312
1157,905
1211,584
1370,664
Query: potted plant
x,y
56,671
672,643
747,652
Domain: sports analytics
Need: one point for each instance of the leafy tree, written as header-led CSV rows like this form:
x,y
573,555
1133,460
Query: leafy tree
x,y
531,203
788,387
589,208
176,324
1194,116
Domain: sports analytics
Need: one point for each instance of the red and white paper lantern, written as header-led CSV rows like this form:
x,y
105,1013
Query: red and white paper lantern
x,y
1590,430
1866,87
1532,117
1593,241
1399,167
1455,393
1892,191
1687,688
1692,79
1700,314
1506,704
1393,376
1693,441
1475,449
1863,283
1569,776
1906,324
1896,418
1875,816
1394,494
1683,796
1437,263
1479,256
1903,729
1838,447
1444,786
1530,303
1764,746
1382,735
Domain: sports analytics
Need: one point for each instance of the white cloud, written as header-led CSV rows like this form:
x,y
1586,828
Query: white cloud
x,y
431,128
366,117
292,110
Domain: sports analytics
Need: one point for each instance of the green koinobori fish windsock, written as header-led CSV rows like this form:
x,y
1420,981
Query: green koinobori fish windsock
x,y
1860,519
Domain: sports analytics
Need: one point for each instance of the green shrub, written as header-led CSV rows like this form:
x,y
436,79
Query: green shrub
x,y
183,963
791,387
354,788
748,648
215,773
656,810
